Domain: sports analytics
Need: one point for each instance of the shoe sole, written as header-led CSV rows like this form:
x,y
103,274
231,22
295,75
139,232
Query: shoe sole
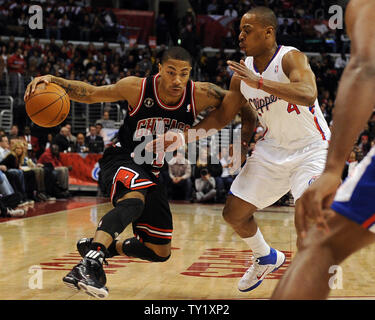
x,y
259,282
100,293
71,284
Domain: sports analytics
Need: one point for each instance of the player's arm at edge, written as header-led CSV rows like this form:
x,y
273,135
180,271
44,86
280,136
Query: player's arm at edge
x,y
227,104
356,92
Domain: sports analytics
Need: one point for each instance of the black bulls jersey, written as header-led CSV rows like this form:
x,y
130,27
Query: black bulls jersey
x,y
151,117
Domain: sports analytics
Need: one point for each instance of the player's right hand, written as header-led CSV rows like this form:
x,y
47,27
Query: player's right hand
x,y
167,142
33,84
315,201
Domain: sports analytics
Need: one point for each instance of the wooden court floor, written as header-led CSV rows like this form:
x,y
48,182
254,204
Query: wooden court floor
x,y
207,258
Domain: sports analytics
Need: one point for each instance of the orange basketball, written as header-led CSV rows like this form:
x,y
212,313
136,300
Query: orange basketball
x,y
48,106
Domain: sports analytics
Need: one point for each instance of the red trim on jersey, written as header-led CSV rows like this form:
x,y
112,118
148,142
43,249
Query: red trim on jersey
x,y
319,128
140,99
264,134
193,99
161,104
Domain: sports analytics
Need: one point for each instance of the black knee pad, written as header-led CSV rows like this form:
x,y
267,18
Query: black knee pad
x,y
126,211
132,247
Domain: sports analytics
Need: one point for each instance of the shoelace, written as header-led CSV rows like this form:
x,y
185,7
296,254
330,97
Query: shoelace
x,y
255,266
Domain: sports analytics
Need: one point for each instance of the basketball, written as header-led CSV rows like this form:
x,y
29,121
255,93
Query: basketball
x,y
48,106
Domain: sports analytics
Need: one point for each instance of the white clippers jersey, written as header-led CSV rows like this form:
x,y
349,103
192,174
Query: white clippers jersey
x,y
286,125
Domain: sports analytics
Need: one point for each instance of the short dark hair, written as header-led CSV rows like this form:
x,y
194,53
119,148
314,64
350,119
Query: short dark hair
x,y
204,172
177,53
265,16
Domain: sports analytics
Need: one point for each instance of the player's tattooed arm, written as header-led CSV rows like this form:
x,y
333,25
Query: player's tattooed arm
x,y
209,95
76,90
227,104
125,89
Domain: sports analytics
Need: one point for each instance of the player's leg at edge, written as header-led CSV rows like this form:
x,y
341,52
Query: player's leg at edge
x,y
317,253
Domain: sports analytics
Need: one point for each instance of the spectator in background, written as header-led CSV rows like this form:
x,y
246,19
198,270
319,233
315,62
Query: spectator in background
x,y
321,28
13,132
179,173
283,30
5,186
205,187
49,141
350,165
226,162
79,145
10,206
341,61
51,158
39,172
106,121
4,147
212,7
71,137
85,29
162,29
364,144
231,11
52,30
61,139
94,142
25,183
16,69
32,142
99,130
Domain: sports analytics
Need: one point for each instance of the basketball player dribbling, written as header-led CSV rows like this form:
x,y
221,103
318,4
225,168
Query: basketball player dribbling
x,y
279,84
347,224
168,100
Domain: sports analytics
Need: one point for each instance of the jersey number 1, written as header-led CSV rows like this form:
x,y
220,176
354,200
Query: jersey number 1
x,y
293,107
158,161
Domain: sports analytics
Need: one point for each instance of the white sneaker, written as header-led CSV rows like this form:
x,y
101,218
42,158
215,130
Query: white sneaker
x,y
259,269
16,212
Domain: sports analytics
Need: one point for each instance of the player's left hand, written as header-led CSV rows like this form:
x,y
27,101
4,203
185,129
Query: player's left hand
x,y
315,203
168,142
243,73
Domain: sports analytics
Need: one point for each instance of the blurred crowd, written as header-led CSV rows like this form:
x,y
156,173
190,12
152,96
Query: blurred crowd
x,y
26,173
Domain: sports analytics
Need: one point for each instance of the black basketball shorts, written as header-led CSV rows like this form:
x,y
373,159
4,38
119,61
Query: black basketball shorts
x,y
120,175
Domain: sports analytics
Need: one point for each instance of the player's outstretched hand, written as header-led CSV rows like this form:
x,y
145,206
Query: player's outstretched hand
x,y
168,142
244,73
32,85
315,202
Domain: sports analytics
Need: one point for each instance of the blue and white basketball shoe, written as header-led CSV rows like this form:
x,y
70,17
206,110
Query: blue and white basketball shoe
x,y
259,269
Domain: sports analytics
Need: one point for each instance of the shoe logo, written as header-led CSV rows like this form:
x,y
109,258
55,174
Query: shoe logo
x,y
260,277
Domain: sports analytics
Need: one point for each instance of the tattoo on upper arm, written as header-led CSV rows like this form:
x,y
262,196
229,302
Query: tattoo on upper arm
x,y
214,91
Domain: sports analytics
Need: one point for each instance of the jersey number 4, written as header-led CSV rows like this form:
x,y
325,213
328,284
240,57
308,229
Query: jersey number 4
x,y
293,107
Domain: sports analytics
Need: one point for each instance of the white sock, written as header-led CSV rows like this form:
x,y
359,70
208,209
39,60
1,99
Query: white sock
x,y
258,245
